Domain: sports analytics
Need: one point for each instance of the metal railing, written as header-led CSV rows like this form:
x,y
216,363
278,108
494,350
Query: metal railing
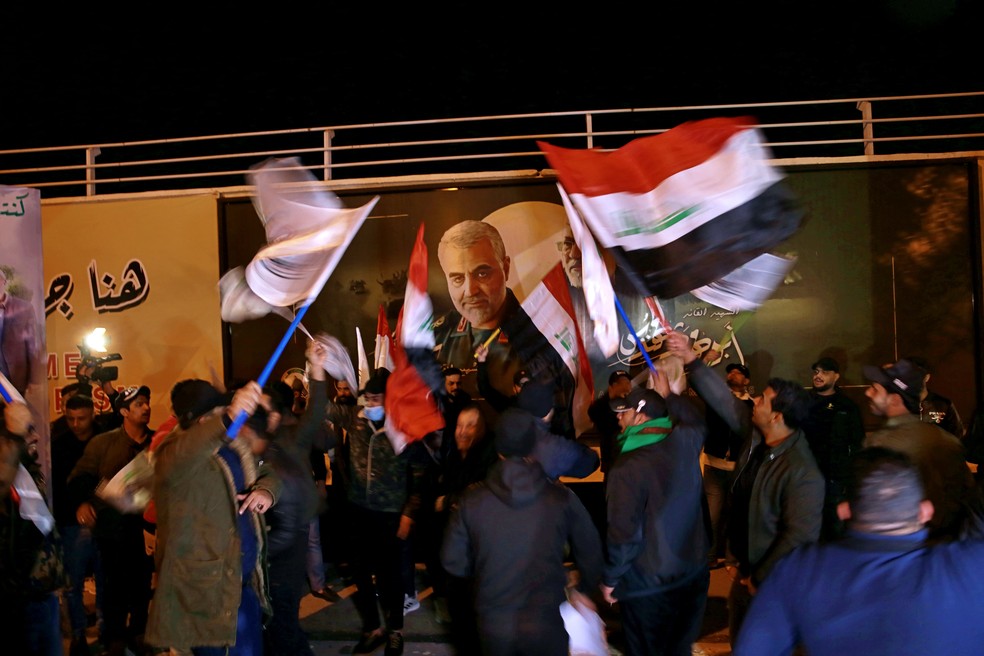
x,y
853,128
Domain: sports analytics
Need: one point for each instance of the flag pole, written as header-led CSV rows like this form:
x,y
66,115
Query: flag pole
x,y
268,369
642,349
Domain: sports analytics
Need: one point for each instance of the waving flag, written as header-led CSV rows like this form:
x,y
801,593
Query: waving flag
x,y
363,360
307,232
683,209
411,407
384,341
599,297
550,309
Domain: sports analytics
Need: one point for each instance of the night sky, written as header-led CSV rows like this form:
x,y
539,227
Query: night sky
x,y
184,75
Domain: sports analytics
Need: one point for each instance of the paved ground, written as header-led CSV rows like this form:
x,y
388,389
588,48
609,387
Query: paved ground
x,y
333,628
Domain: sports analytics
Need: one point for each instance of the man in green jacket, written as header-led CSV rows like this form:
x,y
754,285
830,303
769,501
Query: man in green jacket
x,y
212,586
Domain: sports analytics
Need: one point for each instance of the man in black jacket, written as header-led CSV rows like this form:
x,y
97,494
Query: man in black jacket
x,y
778,492
656,567
520,583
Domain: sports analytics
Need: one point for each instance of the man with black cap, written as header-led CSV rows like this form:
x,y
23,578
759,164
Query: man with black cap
x,y
834,429
212,589
384,494
512,532
656,566
894,394
721,450
605,420
127,568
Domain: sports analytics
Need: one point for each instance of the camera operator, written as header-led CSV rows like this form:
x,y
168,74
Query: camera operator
x,y
91,374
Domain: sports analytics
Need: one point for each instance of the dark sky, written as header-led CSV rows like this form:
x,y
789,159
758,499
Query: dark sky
x,y
184,75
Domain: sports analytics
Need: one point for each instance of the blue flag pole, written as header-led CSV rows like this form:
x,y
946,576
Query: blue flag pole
x,y
6,395
268,369
642,349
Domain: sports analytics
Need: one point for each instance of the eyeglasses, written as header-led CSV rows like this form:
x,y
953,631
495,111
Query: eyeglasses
x,y
566,246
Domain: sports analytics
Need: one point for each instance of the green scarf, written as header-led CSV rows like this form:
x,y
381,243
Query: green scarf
x,y
646,433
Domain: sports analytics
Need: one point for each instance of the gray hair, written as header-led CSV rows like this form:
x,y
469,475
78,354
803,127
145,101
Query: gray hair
x,y
466,234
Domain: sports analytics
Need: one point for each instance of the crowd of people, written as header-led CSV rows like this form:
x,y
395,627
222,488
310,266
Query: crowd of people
x,y
837,540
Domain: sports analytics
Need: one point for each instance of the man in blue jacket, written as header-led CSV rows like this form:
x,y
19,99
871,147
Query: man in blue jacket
x,y
880,590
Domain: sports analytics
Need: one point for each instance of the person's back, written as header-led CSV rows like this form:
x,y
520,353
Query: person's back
x,y
520,582
879,590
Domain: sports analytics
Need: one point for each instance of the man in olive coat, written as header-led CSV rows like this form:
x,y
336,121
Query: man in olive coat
x,y
212,587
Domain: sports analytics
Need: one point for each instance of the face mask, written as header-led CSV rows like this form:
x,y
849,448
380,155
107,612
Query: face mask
x,y
374,413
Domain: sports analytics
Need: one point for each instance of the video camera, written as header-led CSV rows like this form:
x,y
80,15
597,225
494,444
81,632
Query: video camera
x,y
100,373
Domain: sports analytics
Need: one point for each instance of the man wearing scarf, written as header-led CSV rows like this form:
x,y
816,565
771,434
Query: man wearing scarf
x,y
656,567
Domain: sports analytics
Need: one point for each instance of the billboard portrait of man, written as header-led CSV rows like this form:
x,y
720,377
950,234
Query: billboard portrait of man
x,y
19,344
475,265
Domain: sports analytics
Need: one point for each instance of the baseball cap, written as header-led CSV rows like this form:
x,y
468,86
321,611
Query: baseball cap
x,y
740,367
640,399
621,373
827,364
192,398
128,395
450,370
902,378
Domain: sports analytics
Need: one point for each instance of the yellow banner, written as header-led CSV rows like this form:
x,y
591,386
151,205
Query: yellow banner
x,y
146,270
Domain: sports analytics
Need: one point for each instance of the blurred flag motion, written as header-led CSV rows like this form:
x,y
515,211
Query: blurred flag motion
x,y
686,209
411,407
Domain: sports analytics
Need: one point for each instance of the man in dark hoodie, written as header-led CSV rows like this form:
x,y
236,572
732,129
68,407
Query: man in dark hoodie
x,y
657,543
520,583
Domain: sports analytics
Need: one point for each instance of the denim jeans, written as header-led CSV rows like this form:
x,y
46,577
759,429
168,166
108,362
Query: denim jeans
x,y
43,627
315,557
81,557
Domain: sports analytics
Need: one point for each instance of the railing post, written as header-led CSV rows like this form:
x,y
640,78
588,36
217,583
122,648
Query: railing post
x,y
328,135
868,129
588,128
90,169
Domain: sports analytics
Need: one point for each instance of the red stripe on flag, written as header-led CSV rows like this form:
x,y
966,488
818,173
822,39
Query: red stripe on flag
x,y
642,164
556,283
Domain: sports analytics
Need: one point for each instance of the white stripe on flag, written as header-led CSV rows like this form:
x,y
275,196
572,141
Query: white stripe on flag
x,y
684,201
599,297
553,322
749,286
363,361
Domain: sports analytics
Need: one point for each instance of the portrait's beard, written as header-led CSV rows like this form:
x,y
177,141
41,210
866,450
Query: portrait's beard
x,y
574,273
483,314
736,386
822,388
345,400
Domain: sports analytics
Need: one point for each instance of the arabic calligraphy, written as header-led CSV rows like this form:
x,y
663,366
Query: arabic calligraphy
x,y
12,204
60,290
110,295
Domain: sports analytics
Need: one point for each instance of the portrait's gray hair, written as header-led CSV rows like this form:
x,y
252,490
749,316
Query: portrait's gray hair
x,y
468,233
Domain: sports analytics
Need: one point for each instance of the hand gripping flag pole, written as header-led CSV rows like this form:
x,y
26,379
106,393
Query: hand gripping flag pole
x,y
308,231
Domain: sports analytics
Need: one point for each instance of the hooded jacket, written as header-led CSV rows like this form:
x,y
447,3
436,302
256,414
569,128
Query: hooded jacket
x,y
511,533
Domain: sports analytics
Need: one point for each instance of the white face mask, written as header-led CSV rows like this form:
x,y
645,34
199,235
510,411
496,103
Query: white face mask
x,y
374,413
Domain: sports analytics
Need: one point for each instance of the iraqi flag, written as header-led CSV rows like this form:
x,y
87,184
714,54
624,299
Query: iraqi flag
x,y
684,209
411,404
551,311
384,342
